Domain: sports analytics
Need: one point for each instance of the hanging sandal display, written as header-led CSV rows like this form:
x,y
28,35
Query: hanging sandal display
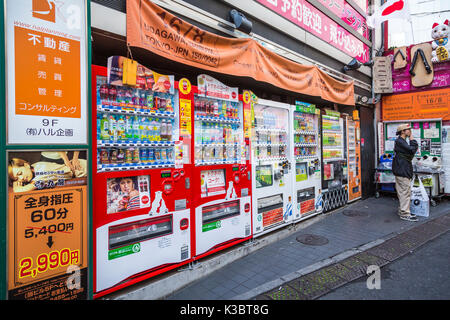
x,y
402,61
421,73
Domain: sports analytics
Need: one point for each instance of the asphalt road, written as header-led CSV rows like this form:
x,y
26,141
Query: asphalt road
x,y
423,274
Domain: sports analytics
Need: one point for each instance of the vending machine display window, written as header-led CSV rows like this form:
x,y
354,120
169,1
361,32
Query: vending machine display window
x,y
305,135
212,182
127,193
136,128
264,176
271,209
218,133
214,213
332,138
270,133
138,231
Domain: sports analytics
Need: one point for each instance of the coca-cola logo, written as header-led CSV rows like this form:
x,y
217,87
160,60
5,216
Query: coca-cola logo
x,y
234,95
145,199
167,84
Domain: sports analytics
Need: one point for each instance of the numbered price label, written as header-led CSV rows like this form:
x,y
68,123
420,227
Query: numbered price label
x,y
47,233
29,267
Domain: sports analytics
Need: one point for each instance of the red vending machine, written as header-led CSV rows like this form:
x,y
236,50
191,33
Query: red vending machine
x,y
141,218
221,184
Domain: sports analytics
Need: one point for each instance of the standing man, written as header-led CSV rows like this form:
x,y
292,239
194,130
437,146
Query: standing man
x,y
403,170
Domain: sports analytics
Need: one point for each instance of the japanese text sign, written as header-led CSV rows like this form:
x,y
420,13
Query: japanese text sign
x,y
312,20
46,72
47,225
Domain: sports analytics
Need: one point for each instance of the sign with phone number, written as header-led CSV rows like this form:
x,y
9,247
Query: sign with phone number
x,y
48,230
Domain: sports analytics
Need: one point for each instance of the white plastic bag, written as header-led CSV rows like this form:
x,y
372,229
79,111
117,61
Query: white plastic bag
x,y
420,205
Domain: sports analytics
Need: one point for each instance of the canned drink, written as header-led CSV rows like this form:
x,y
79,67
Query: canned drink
x,y
120,156
129,156
104,156
113,156
143,154
163,155
151,155
136,155
157,155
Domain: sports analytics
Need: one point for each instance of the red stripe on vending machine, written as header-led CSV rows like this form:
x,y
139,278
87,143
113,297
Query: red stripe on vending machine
x,y
142,218
221,185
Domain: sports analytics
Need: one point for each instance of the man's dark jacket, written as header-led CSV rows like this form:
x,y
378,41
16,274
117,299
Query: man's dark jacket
x,y
404,153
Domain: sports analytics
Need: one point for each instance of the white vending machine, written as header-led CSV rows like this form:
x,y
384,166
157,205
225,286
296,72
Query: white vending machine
x,y
271,166
307,161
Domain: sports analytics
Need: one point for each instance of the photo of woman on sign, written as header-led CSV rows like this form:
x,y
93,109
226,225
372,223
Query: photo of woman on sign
x,y
40,170
123,194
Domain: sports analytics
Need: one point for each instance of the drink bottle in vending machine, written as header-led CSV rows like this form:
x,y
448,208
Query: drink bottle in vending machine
x,y
142,223
221,179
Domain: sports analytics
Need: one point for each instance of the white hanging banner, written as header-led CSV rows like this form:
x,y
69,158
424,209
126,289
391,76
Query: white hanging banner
x,y
212,88
46,71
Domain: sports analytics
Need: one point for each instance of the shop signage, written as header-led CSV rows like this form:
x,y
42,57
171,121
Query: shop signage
x,y
152,28
350,16
433,104
382,75
46,58
312,20
305,107
402,79
124,71
47,225
212,88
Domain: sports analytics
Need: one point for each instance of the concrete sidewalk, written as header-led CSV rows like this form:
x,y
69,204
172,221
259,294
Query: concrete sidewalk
x,y
276,258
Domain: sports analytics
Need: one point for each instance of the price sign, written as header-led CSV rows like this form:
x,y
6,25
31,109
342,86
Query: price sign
x,y
47,225
48,235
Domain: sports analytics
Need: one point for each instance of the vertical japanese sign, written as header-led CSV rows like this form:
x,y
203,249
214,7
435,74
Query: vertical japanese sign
x,y
47,225
46,71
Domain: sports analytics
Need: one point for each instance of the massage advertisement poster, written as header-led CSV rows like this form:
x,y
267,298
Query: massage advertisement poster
x,y
47,225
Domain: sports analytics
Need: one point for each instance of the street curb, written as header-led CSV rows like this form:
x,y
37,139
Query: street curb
x,y
306,270
254,293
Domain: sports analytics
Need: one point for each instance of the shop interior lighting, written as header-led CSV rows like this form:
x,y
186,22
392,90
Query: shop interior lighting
x,y
240,21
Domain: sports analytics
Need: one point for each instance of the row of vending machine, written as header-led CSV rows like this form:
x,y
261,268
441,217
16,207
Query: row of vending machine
x,y
184,171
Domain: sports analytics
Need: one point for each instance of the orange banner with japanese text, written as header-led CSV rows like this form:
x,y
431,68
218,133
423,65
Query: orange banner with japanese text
x,y
433,104
155,29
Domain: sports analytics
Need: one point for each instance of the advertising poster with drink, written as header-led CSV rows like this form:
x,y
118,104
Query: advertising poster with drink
x,y
212,182
124,71
47,71
47,225
212,88
128,193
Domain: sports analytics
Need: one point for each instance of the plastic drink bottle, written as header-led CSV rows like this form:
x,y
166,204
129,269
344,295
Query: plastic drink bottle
x,y
157,129
104,128
142,129
135,128
169,130
112,125
129,127
112,95
163,130
121,128
151,130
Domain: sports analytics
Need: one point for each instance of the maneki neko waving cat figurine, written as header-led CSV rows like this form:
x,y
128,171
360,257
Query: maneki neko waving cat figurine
x,y
440,44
